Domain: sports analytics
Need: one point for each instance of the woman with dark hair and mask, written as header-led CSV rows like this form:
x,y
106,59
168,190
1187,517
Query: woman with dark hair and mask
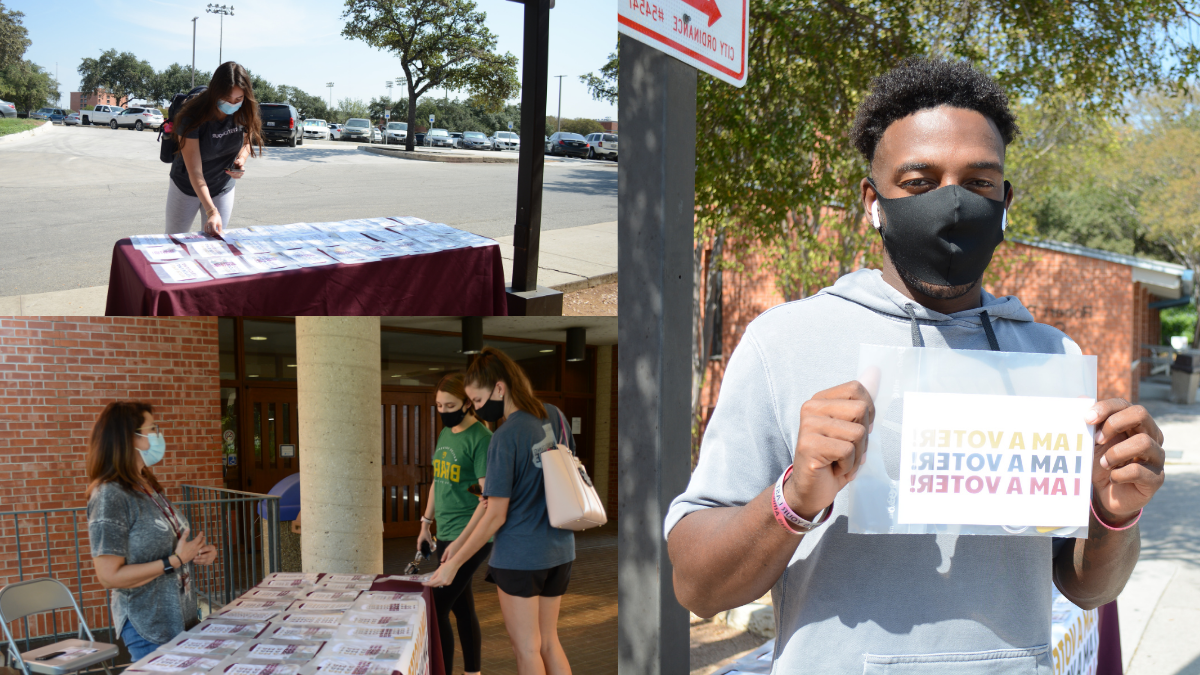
x,y
531,560
216,132
459,463
139,542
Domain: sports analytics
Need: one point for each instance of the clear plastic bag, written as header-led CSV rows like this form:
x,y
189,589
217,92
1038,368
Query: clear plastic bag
x,y
890,372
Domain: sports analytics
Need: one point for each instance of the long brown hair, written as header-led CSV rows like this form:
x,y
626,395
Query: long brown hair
x,y
203,107
492,366
110,456
455,385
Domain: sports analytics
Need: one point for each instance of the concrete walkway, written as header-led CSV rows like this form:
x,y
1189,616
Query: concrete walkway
x,y
571,259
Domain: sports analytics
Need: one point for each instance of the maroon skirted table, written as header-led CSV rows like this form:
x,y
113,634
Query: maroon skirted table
x,y
382,583
456,282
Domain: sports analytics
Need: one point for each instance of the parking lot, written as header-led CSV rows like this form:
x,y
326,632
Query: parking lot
x,y
71,193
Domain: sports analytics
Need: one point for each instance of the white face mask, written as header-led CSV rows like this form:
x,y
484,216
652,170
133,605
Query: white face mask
x,y
158,448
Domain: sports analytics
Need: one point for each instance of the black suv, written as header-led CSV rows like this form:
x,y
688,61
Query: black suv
x,y
282,122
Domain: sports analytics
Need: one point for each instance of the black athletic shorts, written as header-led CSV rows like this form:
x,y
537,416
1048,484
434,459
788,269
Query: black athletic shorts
x,y
531,583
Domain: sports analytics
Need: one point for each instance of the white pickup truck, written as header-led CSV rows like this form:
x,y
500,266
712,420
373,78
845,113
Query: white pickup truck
x,y
101,115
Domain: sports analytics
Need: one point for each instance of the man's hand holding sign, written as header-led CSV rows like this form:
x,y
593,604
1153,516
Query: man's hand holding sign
x,y
832,444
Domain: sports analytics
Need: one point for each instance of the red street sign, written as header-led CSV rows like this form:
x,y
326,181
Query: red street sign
x,y
696,32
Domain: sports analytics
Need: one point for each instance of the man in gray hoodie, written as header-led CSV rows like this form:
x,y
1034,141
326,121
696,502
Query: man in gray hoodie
x,y
765,508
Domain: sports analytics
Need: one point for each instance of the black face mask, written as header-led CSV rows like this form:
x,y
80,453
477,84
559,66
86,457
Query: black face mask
x,y
453,419
491,411
944,237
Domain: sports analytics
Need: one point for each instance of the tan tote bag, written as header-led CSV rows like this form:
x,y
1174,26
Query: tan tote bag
x,y
571,499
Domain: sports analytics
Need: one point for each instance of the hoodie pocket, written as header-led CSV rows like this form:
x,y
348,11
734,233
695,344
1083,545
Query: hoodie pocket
x,y
1031,661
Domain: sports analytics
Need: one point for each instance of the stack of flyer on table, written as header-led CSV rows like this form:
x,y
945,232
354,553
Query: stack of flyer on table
x,y
194,256
303,624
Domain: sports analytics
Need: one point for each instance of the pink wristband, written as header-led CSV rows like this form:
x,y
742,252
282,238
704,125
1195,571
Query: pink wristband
x,y
788,518
1114,529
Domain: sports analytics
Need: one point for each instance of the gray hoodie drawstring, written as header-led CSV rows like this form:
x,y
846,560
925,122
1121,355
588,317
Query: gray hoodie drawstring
x,y
912,323
917,341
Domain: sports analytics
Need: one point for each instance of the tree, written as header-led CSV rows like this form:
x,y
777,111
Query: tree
x,y
264,92
578,125
14,38
122,75
352,107
310,106
440,43
604,86
28,85
175,79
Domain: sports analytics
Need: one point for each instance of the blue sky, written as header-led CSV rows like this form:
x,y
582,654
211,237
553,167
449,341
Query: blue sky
x,y
299,42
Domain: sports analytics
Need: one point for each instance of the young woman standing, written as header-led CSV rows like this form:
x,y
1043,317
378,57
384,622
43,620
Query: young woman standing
x,y
216,131
140,544
459,462
531,561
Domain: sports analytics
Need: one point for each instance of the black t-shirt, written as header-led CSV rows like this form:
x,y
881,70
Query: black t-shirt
x,y
220,142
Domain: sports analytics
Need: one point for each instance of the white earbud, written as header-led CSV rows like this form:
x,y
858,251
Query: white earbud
x,y
875,213
1004,221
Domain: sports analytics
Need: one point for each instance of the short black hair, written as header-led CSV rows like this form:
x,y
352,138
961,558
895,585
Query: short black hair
x,y
918,84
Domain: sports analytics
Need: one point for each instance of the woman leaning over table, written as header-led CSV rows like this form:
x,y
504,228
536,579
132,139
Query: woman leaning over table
x,y
531,560
139,542
459,462
216,132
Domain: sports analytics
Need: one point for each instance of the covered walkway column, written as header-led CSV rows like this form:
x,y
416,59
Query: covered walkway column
x,y
338,388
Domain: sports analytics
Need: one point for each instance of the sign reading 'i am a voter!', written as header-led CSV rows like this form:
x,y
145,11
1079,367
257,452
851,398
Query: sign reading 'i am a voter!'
x,y
1014,461
709,35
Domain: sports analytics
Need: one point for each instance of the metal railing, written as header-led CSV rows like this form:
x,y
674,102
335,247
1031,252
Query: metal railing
x,y
54,543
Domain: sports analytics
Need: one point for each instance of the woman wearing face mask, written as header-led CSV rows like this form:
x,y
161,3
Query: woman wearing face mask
x,y
459,462
216,132
531,560
140,543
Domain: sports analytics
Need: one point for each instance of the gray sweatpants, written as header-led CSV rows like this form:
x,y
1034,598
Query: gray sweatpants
x,y
182,209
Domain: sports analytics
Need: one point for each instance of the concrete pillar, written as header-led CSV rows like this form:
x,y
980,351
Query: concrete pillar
x,y
604,385
338,389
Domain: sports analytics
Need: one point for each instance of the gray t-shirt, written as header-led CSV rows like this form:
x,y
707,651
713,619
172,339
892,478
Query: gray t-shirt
x,y
220,142
128,524
526,540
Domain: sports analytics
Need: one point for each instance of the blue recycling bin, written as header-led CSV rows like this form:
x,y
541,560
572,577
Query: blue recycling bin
x,y
288,491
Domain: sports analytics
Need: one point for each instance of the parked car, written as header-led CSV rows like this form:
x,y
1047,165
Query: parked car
x,y
456,138
438,138
376,135
7,109
72,120
282,122
567,144
318,129
419,139
335,132
474,140
101,115
138,119
505,140
397,132
55,115
601,146
357,129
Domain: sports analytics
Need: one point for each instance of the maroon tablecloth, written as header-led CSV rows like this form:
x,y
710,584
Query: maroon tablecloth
x,y
1108,656
436,665
458,282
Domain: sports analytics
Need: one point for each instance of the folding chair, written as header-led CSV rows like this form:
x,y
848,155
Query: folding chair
x,y
35,596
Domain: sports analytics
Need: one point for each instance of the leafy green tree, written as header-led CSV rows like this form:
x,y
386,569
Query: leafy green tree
x,y
28,85
264,92
440,43
175,79
603,87
14,38
120,74
310,106
577,125
352,107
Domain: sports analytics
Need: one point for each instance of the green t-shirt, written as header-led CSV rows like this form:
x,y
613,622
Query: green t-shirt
x,y
459,461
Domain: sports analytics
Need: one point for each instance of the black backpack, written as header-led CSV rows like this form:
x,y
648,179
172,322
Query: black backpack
x,y
168,147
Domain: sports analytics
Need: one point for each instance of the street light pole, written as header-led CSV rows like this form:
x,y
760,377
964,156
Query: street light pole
x,y
223,11
194,51
560,77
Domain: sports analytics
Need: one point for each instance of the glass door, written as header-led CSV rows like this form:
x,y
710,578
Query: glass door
x,y
410,426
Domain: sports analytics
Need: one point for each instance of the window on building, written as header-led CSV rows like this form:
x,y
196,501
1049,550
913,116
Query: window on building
x,y
716,352
270,350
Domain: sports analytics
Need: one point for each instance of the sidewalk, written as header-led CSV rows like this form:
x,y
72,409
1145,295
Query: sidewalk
x,y
571,259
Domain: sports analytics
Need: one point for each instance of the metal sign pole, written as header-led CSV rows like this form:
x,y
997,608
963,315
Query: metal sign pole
x,y
656,188
525,297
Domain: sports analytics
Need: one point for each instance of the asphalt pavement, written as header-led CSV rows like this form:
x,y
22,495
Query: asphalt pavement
x,y
70,194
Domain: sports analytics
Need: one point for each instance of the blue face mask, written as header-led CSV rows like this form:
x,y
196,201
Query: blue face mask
x,y
229,108
158,448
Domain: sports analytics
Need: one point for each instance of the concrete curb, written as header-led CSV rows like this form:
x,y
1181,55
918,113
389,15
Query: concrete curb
x,y
430,157
584,284
26,134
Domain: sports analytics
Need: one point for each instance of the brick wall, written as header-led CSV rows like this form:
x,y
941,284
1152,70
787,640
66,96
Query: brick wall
x,y
56,376
612,444
1095,302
